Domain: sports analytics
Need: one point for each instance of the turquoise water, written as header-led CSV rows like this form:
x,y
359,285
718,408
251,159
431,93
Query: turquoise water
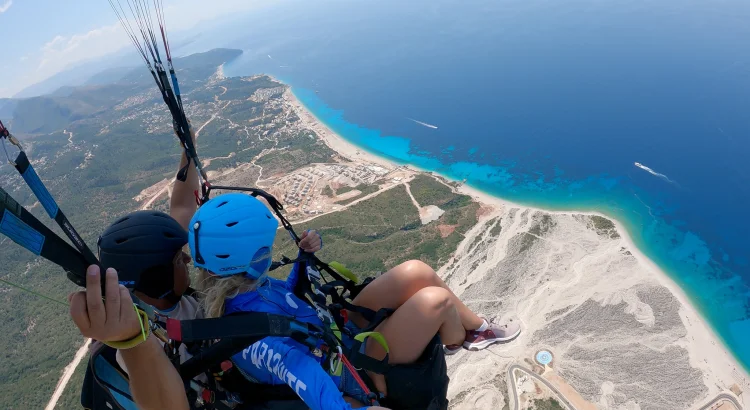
x,y
548,104
672,248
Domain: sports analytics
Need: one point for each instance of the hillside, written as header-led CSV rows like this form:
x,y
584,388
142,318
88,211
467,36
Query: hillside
x,y
53,112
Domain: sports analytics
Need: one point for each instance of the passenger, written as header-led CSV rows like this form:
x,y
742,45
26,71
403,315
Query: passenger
x,y
231,238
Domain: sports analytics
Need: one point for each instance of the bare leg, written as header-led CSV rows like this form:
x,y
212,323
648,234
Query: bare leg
x,y
408,331
396,286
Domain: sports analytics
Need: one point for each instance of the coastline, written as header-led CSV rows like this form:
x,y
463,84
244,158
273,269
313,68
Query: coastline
x,y
704,344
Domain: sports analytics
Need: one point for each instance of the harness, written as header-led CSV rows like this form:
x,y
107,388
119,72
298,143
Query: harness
x,y
312,285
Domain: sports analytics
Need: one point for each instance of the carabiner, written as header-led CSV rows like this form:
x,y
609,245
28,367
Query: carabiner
x,y
6,135
335,360
5,149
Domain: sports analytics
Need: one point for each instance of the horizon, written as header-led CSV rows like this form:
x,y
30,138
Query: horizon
x,y
91,36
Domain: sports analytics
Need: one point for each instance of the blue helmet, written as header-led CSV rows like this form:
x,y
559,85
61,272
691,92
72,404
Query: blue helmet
x,y
233,234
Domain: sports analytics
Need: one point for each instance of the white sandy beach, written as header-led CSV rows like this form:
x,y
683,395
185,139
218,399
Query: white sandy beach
x,y
718,368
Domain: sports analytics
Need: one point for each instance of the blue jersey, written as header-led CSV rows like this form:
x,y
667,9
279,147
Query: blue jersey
x,y
277,360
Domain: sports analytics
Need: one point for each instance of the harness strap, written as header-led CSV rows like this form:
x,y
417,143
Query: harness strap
x,y
23,166
214,355
24,229
372,397
242,325
360,359
236,333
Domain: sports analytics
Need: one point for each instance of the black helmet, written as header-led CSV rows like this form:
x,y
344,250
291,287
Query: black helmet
x,y
142,247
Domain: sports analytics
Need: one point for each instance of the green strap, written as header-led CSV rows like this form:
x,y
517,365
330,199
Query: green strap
x,y
344,271
139,338
375,335
27,290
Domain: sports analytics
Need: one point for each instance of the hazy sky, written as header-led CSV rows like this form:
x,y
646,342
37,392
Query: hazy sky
x,y
39,38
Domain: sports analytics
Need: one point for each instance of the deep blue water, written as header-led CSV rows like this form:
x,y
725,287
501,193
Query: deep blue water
x,y
547,103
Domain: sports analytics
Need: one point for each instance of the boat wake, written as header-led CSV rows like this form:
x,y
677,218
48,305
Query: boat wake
x,y
654,173
424,124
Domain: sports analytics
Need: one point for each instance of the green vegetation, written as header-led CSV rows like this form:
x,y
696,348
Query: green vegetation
x,y
604,227
542,225
495,231
547,404
301,151
344,189
327,191
476,241
601,223
381,232
364,190
527,240
428,191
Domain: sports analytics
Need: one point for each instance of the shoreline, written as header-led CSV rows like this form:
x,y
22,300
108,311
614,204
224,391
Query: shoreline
x,y
353,152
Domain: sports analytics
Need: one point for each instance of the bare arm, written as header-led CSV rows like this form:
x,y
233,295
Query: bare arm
x,y
154,382
182,205
147,363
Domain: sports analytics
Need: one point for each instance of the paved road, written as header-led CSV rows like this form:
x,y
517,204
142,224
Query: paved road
x,y
724,396
514,390
516,406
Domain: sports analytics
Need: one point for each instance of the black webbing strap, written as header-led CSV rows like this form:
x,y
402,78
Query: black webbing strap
x,y
363,361
244,325
23,228
214,355
29,175
236,332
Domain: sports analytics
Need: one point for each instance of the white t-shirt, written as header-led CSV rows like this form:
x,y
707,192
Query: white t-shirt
x,y
186,309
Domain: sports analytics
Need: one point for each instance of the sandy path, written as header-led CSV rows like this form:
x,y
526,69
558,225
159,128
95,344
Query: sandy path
x,y
67,374
213,117
413,200
156,196
70,136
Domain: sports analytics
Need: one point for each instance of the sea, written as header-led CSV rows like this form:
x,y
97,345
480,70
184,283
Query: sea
x,y
636,109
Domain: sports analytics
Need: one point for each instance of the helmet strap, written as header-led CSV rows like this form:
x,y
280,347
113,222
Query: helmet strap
x,y
172,297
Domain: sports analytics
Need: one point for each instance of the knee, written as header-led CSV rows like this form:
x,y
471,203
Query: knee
x,y
417,272
434,299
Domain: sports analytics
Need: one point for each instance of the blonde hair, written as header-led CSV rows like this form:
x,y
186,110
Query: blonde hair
x,y
216,289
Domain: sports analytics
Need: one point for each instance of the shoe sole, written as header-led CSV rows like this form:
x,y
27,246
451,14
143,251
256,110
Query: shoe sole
x,y
449,352
483,345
